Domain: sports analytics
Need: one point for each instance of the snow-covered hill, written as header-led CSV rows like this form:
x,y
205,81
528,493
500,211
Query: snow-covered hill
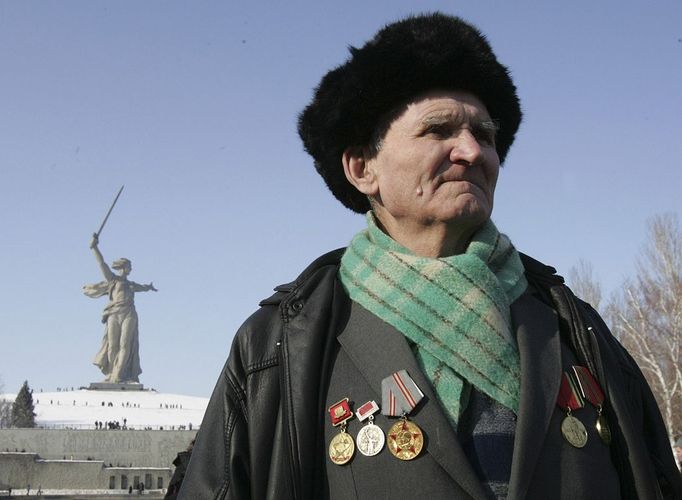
x,y
80,409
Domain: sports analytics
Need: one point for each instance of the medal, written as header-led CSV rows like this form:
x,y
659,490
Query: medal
x,y
405,439
590,390
570,399
574,431
399,396
603,429
370,439
341,447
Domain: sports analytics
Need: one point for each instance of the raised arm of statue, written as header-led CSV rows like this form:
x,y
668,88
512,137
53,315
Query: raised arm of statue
x,y
144,288
106,271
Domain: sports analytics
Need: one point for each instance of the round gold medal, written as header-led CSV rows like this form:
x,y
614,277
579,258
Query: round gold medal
x,y
341,448
405,440
603,430
574,431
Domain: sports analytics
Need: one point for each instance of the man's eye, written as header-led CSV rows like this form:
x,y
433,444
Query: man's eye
x,y
438,130
485,136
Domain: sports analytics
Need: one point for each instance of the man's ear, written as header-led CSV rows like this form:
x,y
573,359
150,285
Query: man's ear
x,y
358,170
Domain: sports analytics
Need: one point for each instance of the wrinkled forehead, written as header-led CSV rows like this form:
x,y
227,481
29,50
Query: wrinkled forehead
x,y
437,107
453,105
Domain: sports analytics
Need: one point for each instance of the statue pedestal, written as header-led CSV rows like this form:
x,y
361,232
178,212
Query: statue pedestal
x,y
114,386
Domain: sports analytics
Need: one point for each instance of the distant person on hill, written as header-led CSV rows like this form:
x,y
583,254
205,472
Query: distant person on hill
x,y
119,357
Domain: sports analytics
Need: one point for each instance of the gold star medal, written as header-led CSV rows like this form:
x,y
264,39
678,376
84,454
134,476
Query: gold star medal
x,y
400,395
341,447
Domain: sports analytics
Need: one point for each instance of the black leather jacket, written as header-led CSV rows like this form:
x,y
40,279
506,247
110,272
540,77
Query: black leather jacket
x,y
262,434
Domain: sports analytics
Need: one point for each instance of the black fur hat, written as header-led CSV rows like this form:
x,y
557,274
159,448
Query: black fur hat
x,y
403,60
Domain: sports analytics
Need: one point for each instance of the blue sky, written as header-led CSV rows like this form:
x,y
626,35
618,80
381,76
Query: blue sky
x,y
193,106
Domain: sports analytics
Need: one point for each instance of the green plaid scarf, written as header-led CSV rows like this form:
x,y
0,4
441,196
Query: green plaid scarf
x,y
454,309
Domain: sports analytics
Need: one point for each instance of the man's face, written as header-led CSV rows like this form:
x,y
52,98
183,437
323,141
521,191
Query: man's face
x,y
437,163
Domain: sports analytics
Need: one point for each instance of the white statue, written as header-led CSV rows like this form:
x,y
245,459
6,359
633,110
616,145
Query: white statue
x,y
119,357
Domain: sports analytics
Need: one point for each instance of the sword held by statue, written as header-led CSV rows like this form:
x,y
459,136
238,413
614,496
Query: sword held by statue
x,y
106,217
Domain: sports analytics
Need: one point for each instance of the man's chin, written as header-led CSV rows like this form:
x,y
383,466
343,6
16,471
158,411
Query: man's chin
x,y
473,213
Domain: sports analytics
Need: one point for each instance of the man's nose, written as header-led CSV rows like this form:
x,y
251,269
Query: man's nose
x,y
465,148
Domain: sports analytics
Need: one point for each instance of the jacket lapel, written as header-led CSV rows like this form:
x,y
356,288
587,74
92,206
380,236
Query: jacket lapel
x,y
537,333
377,350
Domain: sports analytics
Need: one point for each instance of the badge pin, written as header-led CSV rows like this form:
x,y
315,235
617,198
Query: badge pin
x,y
371,438
340,412
341,447
400,395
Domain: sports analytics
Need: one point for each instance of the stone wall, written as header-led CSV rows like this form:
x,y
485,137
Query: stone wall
x,y
115,447
21,470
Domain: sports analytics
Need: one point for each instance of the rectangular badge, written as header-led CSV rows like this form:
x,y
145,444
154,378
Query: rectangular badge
x,y
339,412
369,408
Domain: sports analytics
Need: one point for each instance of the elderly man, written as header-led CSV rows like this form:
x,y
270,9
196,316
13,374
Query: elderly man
x,y
428,359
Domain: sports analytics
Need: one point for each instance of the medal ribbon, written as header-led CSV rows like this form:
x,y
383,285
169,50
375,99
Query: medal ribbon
x,y
589,387
399,394
569,394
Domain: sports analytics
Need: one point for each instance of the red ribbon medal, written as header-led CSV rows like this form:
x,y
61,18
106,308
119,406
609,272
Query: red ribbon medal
x,y
342,446
590,390
570,399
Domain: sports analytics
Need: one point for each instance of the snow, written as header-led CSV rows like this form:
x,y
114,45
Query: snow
x,y
79,409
